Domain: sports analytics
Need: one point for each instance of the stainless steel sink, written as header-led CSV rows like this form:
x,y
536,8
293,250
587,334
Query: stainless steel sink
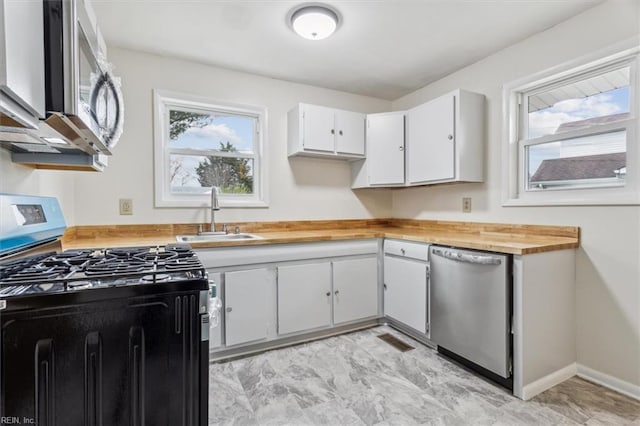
x,y
216,237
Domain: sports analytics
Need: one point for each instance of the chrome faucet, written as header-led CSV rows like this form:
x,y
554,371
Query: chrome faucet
x,y
215,205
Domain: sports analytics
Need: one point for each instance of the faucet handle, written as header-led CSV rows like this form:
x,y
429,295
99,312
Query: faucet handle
x,y
237,230
224,228
199,228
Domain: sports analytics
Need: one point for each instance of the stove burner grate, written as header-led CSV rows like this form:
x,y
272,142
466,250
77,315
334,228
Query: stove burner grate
x,y
181,264
116,266
69,257
127,252
36,273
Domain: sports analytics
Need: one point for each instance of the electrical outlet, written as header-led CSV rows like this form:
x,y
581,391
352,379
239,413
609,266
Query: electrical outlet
x,y
466,204
126,206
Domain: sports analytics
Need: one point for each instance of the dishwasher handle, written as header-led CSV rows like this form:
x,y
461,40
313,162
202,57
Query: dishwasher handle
x,y
467,258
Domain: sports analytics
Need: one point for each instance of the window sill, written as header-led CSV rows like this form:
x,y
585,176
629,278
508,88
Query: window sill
x,y
224,204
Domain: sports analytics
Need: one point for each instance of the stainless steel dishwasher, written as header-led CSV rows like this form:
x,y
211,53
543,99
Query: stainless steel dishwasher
x,y
471,309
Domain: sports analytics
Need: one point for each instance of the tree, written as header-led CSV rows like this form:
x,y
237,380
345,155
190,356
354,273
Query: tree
x,y
180,121
232,175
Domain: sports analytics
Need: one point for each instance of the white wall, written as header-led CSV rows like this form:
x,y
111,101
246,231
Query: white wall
x,y
19,179
299,189
608,275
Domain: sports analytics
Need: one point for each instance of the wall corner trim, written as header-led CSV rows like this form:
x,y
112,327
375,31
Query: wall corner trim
x,y
608,381
549,381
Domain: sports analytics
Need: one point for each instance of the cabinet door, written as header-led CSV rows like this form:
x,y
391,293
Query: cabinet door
x,y
385,149
22,59
304,297
355,289
405,295
319,128
431,141
349,132
246,306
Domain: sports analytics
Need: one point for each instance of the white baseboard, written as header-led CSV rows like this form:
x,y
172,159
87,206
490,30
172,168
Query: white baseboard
x,y
548,381
608,381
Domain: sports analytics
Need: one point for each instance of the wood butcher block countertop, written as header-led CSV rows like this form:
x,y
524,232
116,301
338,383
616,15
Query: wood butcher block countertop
x,y
503,238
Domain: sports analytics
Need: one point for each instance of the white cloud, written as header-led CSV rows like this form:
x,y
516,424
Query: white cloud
x,y
546,121
217,132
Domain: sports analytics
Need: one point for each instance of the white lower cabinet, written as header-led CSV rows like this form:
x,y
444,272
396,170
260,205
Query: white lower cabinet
x,y
304,297
355,289
306,293
405,292
247,298
271,292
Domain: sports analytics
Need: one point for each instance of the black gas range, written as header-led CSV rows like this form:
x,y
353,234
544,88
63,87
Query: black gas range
x,y
105,268
96,337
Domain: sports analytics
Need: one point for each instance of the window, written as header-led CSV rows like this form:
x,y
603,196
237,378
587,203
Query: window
x,y
200,144
571,134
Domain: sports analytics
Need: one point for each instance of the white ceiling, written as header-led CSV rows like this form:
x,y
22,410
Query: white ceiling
x,y
384,48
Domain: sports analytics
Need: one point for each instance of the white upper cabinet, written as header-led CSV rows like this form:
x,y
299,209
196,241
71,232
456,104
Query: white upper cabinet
x,y
384,165
431,131
318,128
317,131
22,62
445,139
349,132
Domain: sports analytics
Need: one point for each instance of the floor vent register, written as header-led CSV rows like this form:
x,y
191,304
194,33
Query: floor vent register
x,y
395,342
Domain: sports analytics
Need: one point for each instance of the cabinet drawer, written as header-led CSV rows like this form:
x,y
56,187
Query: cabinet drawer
x,y
418,251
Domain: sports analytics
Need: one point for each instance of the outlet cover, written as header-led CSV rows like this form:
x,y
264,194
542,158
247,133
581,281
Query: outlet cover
x,y
126,206
466,205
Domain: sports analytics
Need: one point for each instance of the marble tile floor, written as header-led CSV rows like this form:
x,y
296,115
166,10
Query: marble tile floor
x,y
357,379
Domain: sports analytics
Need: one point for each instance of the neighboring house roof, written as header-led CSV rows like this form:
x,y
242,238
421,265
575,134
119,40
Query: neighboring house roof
x,y
583,124
575,168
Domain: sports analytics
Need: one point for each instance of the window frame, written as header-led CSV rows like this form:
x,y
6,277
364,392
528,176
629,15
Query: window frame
x,y
515,191
164,101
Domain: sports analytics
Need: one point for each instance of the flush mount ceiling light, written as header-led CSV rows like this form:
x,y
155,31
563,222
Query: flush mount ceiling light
x,y
314,22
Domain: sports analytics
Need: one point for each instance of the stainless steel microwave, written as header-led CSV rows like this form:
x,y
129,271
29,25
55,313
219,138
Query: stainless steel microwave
x,y
83,100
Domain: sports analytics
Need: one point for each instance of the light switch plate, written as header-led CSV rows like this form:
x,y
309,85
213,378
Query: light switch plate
x,y
126,206
466,204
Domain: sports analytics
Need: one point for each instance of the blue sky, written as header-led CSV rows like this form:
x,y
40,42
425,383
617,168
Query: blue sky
x,y
237,130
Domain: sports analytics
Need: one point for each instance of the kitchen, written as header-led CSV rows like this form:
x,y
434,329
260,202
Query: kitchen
x,y
301,189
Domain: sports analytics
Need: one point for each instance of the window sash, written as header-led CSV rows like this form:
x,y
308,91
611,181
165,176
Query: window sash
x,y
228,113
573,134
525,94
523,166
